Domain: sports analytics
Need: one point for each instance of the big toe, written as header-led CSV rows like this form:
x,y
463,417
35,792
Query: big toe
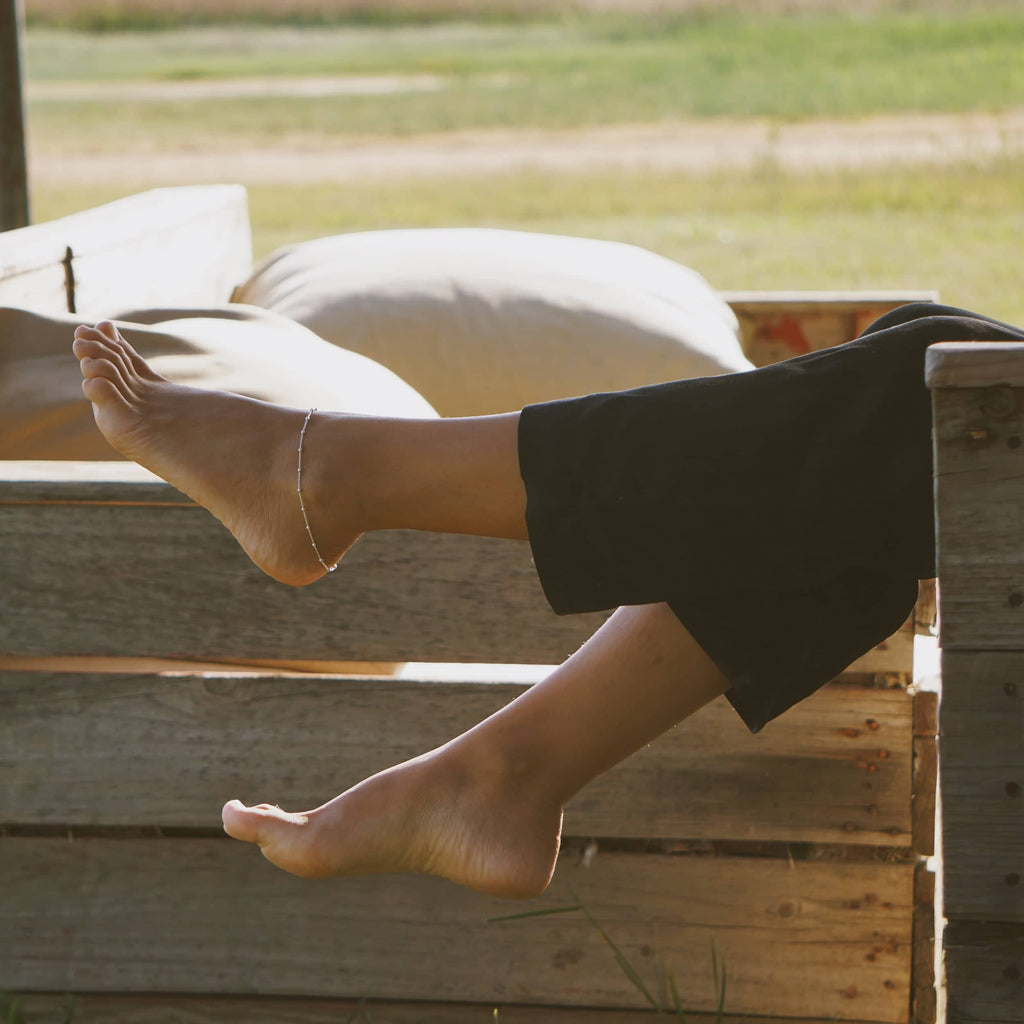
x,y
279,834
262,824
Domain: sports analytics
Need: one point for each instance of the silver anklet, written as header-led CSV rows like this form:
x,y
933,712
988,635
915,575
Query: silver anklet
x,y
302,504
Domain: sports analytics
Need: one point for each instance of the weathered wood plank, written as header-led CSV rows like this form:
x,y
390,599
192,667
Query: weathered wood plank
x,y
981,720
923,799
984,973
172,582
93,1009
98,750
856,301
211,916
893,655
975,364
980,515
85,483
926,714
779,325
14,206
469,599
923,1003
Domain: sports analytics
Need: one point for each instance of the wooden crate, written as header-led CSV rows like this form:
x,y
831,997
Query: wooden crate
x,y
792,851
128,718
978,396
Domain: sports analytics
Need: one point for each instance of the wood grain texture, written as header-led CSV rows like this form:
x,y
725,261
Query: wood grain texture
x,y
979,445
981,720
398,596
211,916
92,1009
99,749
926,714
984,973
926,610
171,582
975,364
14,204
779,325
57,482
797,301
924,998
923,800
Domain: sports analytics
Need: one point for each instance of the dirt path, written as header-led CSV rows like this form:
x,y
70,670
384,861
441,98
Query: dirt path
x,y
691,146
234,88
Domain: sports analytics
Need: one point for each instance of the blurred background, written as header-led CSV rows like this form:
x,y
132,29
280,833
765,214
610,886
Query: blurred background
x,y
771,145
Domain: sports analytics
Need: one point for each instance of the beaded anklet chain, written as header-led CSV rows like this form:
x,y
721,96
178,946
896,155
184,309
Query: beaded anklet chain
x,y
302,504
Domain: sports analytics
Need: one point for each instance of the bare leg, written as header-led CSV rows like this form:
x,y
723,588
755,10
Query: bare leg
x,y
485,809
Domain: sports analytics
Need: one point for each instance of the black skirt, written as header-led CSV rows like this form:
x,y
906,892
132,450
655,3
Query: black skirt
x,y
785,514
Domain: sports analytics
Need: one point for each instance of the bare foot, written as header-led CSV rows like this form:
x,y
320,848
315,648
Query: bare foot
x,y
429,816
235,456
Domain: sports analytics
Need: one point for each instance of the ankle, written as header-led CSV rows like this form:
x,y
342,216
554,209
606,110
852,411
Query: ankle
x,y
338,473
493,766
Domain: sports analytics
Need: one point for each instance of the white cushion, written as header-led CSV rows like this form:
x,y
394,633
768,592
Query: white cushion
x,y
484,321
44,415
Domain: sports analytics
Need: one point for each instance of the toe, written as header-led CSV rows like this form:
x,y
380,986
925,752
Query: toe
x,y
239,823
108,330
137,363
259,824
96,367
100,390
86,333
91,348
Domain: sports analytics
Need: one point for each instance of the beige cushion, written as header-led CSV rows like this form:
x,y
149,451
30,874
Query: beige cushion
x,y
43,414
483,321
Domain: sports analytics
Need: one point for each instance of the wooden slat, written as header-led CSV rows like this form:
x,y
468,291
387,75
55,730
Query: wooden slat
x,y
979,501
211,916
92,1009
975,364
893,655
60,482
172,582
923,801
751,300
925,771
470,599
779,325
99,749
984,973
14,210
982,754
923,1001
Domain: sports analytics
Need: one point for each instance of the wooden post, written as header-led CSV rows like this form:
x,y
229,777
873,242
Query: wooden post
x,y
13,166
978,399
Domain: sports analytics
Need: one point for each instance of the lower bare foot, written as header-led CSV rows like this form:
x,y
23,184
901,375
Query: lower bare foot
x,y
428,815
235,456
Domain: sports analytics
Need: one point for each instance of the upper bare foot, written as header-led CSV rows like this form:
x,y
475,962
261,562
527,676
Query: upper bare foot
x,y
233,455
429,815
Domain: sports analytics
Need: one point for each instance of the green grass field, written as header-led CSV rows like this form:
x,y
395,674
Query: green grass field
x,y
546,75
955,228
